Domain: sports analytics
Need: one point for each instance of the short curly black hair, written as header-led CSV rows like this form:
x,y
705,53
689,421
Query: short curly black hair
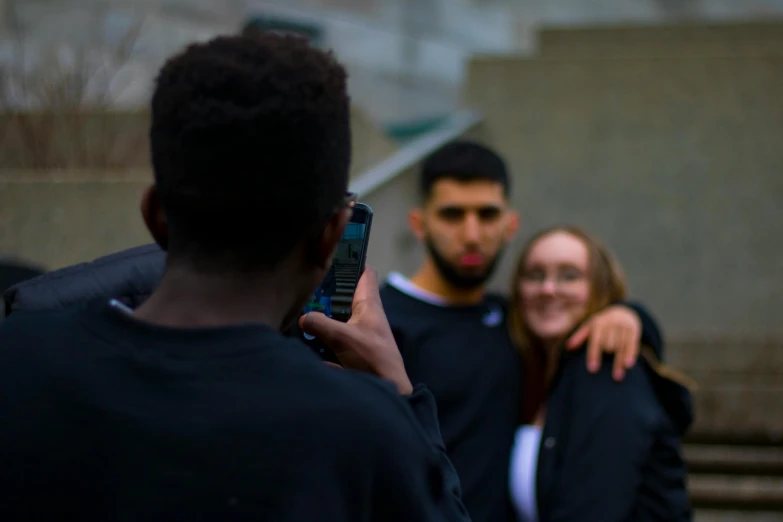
x,y
463,160
251,147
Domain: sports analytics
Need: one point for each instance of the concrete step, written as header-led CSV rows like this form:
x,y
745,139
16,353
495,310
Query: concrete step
x,y
346,277
713,515
667,40
728,459
743,493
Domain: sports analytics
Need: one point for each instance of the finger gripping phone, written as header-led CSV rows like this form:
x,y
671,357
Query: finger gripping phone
x,y
334,296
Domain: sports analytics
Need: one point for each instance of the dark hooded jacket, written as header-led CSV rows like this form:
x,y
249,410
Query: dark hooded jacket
x,y
14,271
610,451
129,276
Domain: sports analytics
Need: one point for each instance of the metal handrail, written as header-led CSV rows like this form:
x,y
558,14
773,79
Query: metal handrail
x,y
413,152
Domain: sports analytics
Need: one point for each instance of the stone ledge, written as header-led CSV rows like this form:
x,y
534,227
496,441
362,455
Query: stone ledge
x,y
750,356
734,460
740,411
715,515
74,175
721,491
59,224
635,33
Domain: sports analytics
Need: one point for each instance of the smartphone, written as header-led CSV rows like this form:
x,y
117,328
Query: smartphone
x,y
334,296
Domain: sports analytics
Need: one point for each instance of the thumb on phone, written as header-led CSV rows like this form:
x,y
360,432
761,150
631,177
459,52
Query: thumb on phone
x,y
329,331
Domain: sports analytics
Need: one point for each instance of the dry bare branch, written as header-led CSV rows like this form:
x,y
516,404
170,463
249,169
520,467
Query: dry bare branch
x,y
56,100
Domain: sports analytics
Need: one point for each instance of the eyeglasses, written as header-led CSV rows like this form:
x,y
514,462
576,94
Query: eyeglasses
x,y
563,279
349,200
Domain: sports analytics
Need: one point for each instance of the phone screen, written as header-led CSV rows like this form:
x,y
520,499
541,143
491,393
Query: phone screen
x,y
334,296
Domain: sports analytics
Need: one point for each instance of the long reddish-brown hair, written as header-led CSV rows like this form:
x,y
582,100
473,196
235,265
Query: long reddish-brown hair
x,y
607,285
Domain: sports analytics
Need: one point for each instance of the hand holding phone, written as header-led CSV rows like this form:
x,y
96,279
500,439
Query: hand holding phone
x,y
366,342
334,296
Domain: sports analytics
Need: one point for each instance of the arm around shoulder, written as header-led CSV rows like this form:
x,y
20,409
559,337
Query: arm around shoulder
x,y
651,332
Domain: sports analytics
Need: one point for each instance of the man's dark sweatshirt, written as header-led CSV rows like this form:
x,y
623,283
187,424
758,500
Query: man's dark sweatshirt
x,y
465,357
106,418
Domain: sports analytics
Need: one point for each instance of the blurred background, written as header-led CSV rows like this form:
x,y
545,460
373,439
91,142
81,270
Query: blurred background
x,y
656,124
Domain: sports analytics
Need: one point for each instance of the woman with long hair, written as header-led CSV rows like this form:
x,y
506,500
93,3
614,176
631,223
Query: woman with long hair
x,y
590,449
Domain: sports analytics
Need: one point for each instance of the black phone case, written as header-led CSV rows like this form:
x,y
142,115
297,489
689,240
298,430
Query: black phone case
x,y
316,345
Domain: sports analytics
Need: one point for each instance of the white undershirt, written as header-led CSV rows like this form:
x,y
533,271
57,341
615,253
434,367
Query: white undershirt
x,y
493,317
406,286
522,472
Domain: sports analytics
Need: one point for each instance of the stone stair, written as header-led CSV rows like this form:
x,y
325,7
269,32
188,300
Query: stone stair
x,y
347,275
735,481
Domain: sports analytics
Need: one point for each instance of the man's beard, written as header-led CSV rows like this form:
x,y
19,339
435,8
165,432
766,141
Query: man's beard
x,y
453,276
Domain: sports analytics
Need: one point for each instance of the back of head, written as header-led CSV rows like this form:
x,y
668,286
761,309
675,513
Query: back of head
x,y
251,146
463,161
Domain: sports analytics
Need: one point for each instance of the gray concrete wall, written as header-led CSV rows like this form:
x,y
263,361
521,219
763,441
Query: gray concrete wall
x,y
675,162
740,385
69,218
392,246
649,41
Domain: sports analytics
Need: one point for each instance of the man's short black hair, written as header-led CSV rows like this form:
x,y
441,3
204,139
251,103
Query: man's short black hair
x,y
463,160
251,148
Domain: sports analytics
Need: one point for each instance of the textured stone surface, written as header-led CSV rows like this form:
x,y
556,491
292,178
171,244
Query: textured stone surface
x,y
674,162
725,489
735,482
729,459
682,33
711,515
649,41
62,223
740,407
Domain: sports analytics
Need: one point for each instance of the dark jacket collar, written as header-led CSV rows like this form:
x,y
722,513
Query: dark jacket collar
x,y
129,276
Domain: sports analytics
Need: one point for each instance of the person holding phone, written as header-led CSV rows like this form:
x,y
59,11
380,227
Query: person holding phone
x,y
356,235
193,405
